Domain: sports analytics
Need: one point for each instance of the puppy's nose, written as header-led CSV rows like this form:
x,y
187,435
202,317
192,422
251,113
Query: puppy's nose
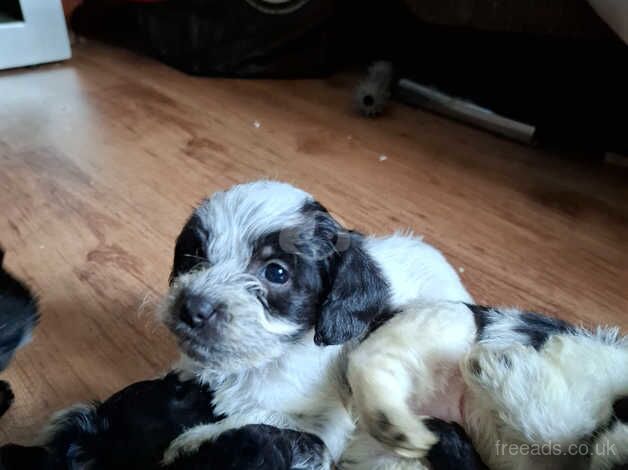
x,y
196,310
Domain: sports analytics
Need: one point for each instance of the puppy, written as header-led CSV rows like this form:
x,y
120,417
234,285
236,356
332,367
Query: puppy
x,y
18,318
255,270
129,430
531,391
132,429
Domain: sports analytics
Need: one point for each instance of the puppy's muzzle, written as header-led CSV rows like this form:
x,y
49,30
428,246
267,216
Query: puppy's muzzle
x,y
196,311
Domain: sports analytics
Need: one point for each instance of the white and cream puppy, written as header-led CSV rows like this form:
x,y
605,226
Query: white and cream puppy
x,y
262,276
532,392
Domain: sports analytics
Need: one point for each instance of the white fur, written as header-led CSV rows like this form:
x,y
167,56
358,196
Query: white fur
x,y
415,270
247,212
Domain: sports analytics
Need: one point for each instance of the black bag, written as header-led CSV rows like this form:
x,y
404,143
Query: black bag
x,y
237,38
242,38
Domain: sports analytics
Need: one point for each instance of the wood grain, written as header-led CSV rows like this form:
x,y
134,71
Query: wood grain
x,y
102,158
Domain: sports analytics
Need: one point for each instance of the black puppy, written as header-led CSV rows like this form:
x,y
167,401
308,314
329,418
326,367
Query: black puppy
x,y
18,317
132,429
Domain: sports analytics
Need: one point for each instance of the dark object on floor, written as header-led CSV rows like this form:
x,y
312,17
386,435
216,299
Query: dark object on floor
x,y
238,38
571,91
462,110
454,449
372,94
258,447
18,318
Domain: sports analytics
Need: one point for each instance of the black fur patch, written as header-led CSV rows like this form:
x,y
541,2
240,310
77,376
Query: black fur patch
x,y
378,322
190,248
620,409
257,447
454,450
481,317
382,421
18,315
536,328
6,397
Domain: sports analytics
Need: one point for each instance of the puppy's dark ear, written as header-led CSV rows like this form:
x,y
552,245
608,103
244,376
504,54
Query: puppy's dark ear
x,y
358,294
191,247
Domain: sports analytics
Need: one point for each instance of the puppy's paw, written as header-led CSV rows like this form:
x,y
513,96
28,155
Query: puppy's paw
x,y
406,434
190,441
6,397
454,449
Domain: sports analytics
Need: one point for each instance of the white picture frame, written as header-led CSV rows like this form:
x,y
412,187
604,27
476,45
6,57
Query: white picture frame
x,y
40,37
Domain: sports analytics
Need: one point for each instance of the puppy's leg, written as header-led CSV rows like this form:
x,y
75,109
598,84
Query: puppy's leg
x,y
259,447
6,397
610,448
190,441
561,393
407,371
454,449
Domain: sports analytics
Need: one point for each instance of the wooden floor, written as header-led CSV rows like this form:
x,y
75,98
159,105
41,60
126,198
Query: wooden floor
x,y
102,158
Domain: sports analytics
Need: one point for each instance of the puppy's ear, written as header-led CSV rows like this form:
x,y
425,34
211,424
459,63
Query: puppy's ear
x,y
358,294
191,247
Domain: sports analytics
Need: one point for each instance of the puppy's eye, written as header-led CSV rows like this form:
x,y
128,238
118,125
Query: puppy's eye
x,y
276,273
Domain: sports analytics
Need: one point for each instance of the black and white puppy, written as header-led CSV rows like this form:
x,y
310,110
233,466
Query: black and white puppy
x,y
255,267
532,392
129,430
132,429
18,318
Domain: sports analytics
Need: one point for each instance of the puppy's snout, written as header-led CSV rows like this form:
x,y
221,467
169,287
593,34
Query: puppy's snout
x,y
196,310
